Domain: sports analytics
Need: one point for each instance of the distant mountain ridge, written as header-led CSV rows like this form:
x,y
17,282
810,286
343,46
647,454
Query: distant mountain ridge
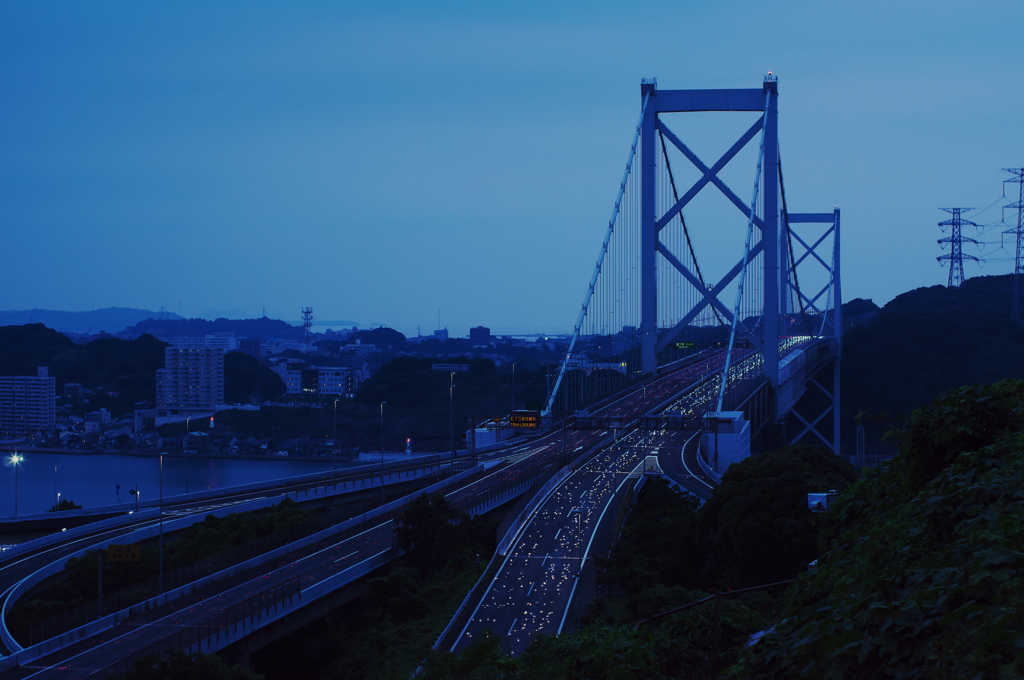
x,y
246,328
109,319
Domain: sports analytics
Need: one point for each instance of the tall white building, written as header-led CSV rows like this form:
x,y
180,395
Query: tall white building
x,y
28,403
192,378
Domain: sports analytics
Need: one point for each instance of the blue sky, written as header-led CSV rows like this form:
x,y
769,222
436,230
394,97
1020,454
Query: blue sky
x,y
379,161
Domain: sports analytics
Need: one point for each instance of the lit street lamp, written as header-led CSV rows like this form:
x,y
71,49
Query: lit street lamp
x,y
451,413
15,459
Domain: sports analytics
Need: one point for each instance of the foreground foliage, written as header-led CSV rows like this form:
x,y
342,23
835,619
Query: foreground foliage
x,y
181,666
922,567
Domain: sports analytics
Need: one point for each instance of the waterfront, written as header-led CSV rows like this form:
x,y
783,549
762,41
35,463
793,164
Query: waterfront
x,y
94,480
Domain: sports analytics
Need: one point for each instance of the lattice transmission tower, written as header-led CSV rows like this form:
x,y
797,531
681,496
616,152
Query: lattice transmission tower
x,y
956,239
1018,265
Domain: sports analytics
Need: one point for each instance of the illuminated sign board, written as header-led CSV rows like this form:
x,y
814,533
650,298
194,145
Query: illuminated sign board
x,y
684,345
525,419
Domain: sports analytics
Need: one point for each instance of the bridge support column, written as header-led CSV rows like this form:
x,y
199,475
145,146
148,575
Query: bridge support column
x,y
648,234
772,237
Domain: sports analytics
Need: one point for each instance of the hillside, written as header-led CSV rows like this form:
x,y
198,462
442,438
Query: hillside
x,y
246,328
924,342
109,319
921,573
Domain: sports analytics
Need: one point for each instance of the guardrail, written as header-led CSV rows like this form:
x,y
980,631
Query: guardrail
x,y
36,651
243,618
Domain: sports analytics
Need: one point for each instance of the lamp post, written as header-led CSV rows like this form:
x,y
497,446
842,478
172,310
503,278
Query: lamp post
x,y
334,445
451,413
579,570
185,445
513,386
16,458
382,452
160,585
56,495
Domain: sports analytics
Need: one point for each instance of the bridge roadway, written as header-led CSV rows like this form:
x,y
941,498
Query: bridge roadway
x,y
536,585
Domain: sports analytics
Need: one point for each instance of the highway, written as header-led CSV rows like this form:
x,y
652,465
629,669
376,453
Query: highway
x,y
16,565
535,588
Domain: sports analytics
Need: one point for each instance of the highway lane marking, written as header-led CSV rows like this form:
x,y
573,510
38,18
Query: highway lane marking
x,y
511,627
559,533
346,556
532,584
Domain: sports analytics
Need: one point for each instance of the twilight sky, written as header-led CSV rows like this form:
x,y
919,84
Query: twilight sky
x,y
379,161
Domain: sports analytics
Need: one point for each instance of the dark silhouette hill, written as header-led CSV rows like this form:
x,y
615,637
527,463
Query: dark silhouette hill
x,y
109,319
247,328
927,341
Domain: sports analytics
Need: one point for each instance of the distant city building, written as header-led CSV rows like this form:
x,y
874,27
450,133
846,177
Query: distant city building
x,y
223,341
95,420
28,404
480,335
451,368
192,378
441,334
318,381
250,346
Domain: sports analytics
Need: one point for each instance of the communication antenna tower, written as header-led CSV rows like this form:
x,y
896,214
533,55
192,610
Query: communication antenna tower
x,y
956,240
307,325
1018,265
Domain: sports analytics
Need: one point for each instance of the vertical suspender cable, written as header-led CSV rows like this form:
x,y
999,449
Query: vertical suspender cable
x,y
746,259
601,256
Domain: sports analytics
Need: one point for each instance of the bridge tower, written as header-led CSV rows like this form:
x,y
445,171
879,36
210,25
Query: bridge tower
x,y
643,305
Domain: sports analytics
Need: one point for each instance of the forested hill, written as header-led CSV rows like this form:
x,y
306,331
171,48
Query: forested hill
x,y
929,340
247,328
109,319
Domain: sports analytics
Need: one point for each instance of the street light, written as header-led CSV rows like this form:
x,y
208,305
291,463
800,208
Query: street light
x,y
186,452
15,459
579,571
160,585
382,452
451,413
334,445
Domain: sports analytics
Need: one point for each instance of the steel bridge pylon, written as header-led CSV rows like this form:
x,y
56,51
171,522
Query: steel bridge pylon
x,y
781,294
650,304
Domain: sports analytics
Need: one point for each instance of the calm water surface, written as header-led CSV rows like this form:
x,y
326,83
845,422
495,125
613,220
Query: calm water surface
x,y
92,480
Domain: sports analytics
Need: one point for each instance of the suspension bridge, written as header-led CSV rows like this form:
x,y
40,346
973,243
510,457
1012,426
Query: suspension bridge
x,y
707,329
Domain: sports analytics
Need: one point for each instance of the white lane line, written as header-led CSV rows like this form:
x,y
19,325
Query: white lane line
x,y
511,627
346,556
532,584
557,534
